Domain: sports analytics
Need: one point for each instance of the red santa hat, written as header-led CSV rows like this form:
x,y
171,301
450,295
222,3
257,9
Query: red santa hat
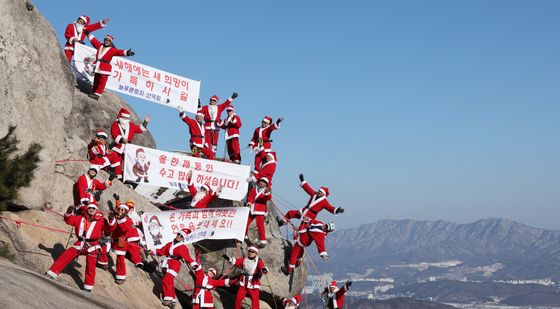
x,y
205,187
325,190
265,180
139,150
85,18
333,283
123,113
92,204
253,248
101,133
230,108
184,232
200,113
110,37
124,206
94,167
271,154
267,119
215,98
212,270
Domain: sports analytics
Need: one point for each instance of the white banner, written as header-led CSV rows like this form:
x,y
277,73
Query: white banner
x,y
139,80
167,169
209,223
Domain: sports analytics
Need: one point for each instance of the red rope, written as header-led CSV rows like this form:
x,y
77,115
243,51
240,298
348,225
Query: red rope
x,y
54,212
19,223
168,206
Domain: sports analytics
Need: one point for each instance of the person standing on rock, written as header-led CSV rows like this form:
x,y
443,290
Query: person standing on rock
x,y
267,169
212,117
123,132
100,154
103,67
317,202
175,252
307,233
201,198
76,33
257,199
261,142
120,225
335,296
231,124
87,185
204,283
88,226
197,131
253,269
292,303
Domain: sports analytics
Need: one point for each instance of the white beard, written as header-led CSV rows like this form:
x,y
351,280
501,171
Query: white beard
x,y
197,197
124,122
79,27
213,109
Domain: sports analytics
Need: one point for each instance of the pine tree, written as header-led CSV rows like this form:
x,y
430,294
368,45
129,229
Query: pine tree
x,y
16,171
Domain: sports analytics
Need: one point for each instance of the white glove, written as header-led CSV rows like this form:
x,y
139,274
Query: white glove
x,y
180,109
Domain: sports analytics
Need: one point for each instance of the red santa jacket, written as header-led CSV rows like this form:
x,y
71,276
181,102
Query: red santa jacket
x,y
120,229
336,299
231,124
296,300
312,231
315,203
118,132
196,130
203,285
175,252
207,199
261,140
267,171
252,271
257,200
96,150
87,228
73,35
213,114
86,185
104,56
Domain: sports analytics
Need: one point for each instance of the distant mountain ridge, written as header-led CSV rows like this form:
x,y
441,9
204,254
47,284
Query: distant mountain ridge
x,y
526,251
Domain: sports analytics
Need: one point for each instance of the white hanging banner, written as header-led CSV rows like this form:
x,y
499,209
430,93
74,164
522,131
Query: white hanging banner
x,y
168,169
211,223
139,80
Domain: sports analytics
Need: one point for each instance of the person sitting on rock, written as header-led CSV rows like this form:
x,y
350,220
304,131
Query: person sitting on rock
x,y
267,169
123,132
100,154
253,268
307,233
76,33
103,67
292,303
257,199
175,252
335,296
261,142
204,283
88,226
204,196
87,185
197,141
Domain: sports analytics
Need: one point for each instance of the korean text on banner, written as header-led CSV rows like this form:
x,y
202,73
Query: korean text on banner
x,y
167,169
139,80
210,223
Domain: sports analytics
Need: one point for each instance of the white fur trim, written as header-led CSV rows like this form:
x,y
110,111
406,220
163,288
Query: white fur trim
x,y
119,277
171,272
52,274
119,252
88,287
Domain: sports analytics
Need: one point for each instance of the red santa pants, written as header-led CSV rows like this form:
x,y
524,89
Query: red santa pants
x,y
133,253
295,255
69,54
104,255
253,293
211,137
205,151
113,160
70,254
233,149
291,214
121,262
260,225
168,286
118,167
99,82
259,157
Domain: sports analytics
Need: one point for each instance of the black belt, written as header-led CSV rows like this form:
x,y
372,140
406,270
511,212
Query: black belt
x,y
80,238
312,211
199,136
210,120
201,287
175,258
267,141
106,61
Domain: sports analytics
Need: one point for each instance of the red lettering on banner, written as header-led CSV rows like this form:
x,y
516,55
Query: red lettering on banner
x,y
195,214
214,182
231,213
117,75
157,76
128,66
145,73
207,179
204,214
199,178
166,90
119,64
150,85
134,80
230,184
209,168
182,175
136,69
172,217
183,216
170,173
176,82
174,228
214,223
223,223
192,227
223,182
206,223
168,79
162,159
184,96
185,84
197,166
162,172
174,161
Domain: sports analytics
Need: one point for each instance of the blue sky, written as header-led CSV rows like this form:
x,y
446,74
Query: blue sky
x,y
404,109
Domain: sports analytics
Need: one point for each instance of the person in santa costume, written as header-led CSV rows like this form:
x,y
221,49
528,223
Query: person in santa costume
x,y
100,154
204,283
175,252
335,296
292,303
201,198
231,124
257,199
307,233
76,33
88,226
267,169
85,187
196,130
253,268
123,132
103,67
317,202
212,117
261,141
